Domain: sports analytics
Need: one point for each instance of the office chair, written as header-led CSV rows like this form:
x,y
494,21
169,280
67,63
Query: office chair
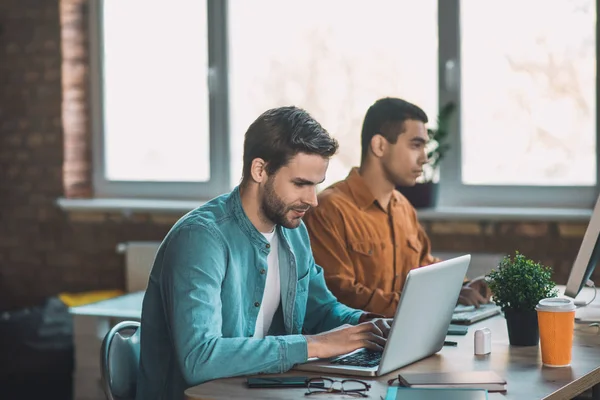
x,y
119,359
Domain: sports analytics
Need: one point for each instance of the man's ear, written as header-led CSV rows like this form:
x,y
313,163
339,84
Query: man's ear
x,y
378,145
258,171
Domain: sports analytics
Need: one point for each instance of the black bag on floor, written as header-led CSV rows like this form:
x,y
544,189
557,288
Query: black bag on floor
x,y
36,352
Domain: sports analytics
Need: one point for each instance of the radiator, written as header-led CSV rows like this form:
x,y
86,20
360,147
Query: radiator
x,y
139,257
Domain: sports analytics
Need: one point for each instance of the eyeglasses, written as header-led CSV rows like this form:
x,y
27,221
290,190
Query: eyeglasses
x,y
350,387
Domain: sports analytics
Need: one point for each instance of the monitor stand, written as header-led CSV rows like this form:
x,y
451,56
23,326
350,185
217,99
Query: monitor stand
x,y
591,312
588,314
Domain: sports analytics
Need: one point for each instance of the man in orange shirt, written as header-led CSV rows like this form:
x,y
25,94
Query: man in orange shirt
x,y
364,233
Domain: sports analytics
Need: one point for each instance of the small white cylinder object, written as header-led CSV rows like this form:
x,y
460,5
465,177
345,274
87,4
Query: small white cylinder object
x,y
483,341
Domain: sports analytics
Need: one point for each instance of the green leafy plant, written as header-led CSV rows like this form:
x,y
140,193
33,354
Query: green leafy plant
x,y
438,142
520,283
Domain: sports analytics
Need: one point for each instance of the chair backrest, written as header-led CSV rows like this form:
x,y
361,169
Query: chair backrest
x,y
119,360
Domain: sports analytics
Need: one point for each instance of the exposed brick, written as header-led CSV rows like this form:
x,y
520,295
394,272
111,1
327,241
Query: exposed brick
x,y
24,256
166,219
12,49
139,218
44,214
31,77
12,140
35,139
489,228
52,75
116,217
23,124
572,230
531,229
64,259
8,241
457,228
51,45
75,84
87,217
505,228
22,156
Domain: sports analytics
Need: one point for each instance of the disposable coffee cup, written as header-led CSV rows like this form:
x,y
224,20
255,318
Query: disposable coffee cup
x,y
556,321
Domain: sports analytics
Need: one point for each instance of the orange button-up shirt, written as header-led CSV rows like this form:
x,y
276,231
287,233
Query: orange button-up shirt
x,y
364,250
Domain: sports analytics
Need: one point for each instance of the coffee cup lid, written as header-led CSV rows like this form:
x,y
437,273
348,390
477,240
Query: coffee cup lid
x,y
556,304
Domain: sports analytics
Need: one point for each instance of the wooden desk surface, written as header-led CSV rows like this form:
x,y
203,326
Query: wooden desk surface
x,y
520,366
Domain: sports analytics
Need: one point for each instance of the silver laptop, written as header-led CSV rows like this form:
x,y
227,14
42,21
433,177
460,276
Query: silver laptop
x,y
419,328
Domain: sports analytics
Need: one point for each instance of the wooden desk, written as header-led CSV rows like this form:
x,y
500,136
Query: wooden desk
x,y
520,366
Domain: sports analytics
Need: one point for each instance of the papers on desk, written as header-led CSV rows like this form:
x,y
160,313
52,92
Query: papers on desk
x,y
487,380
402,393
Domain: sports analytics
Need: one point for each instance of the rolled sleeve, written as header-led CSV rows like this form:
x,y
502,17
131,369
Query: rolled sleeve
x,y
293,350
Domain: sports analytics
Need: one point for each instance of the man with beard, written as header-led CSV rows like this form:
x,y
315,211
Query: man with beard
x,y
234,289
364,233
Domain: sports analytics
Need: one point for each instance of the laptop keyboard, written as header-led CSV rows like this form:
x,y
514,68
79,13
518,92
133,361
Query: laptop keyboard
x,y
362,358
470,314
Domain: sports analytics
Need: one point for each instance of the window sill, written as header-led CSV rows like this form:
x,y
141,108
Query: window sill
x,y
130,206
504,214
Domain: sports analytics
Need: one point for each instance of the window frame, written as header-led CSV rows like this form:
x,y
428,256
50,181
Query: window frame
x,y
452,192
218,118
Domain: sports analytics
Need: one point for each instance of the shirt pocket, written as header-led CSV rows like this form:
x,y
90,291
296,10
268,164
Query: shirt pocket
x,y
413,251
300,302
366,249
303,282
371,261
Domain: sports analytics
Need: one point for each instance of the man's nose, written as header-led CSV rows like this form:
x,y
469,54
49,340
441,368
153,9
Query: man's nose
x,y
424,159
311,197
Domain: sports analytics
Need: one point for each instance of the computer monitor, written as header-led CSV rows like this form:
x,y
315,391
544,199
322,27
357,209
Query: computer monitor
x,y
588,256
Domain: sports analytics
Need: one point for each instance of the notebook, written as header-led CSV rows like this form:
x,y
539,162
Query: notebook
x,y
400,393
457,329
419,327
487,380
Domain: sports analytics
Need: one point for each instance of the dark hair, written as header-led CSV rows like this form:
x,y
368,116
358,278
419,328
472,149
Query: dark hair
x,y
383,118
281,133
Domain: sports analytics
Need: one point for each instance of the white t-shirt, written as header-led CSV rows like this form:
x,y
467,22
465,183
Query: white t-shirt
x,y
272,294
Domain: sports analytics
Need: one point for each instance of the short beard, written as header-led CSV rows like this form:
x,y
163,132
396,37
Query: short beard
x,y
274,209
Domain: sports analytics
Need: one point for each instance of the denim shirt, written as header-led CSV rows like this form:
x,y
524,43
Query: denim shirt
x,y
204,294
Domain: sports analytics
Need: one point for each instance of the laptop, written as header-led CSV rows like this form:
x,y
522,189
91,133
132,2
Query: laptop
x,y
419,327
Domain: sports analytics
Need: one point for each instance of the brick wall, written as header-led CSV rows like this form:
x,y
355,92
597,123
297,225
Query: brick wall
x,y
43,250
552,243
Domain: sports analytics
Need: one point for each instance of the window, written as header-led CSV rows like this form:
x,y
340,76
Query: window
x,y
537,108
158,86
180,81
528,103
334,58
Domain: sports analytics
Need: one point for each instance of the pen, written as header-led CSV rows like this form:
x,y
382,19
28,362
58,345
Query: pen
x,y
450,343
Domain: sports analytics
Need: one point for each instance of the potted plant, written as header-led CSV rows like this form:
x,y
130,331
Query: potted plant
x,y
517,285
424,193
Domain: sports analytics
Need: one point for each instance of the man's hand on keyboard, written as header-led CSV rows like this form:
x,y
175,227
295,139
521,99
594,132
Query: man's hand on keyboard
x,y
475,293
382,322
347,338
